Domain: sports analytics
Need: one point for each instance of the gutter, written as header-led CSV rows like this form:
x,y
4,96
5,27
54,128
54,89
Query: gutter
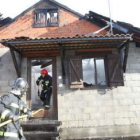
x,y
68,39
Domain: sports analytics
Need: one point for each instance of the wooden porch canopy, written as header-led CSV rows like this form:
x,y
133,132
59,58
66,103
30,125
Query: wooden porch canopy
x,y
30,47
42,47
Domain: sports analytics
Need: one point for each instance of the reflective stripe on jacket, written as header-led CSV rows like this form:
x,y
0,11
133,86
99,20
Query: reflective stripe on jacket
x,y
8,134
11,105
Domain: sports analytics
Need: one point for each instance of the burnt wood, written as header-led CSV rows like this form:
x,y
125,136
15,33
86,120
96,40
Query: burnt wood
x,y
17,66
46,64
115,71
125,57
75,68
62,55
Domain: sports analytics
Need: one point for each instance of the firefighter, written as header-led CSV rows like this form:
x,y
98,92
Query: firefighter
x,y
11,106
45,80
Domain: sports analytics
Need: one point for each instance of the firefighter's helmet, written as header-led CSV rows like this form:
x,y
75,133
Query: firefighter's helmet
x,y
44,71
21,85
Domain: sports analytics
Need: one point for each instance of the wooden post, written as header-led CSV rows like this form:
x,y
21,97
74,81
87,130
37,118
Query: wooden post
x,y
16,64
125,56
62,62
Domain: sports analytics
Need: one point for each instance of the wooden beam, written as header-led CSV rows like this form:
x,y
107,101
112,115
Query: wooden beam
x,y
125,56
30,46
94,50
18,70
122,45
40,55
115,69
19,63
75,71
39,52
10,46
28,96
46,64
62,54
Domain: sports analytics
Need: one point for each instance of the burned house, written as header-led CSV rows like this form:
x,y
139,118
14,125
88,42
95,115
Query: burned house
x,y
95,74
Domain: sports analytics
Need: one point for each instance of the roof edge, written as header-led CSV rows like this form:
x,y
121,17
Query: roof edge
x,y
67,8
52,1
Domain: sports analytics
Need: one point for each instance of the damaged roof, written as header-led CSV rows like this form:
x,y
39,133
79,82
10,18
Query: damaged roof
x,y
118,27
5,21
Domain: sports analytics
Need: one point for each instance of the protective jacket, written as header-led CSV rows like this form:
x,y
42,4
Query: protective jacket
x,y
46,82
11,105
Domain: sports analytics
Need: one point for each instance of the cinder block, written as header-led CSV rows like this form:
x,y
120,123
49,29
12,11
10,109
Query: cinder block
x,y
122,121
5,89
124,90
106,109
3,83
127,77
126,102
8,77
73,124
109,115
137,101
132,83
121,108
90,109
106,122
137,114
134,66
135,77
108,102
135,120
97,116
136,89
116,102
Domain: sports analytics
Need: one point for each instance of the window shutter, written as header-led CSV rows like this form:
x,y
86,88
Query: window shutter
x,y
76,75
115,70
40,18
53,20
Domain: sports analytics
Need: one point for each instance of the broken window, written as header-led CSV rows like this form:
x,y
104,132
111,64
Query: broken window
x,y
92,72
46,17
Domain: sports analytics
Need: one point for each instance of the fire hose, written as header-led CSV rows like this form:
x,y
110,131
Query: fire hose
x,y
20,117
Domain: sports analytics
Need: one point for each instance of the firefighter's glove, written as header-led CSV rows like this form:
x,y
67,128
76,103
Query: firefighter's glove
x,y
29,113
14,118
38,93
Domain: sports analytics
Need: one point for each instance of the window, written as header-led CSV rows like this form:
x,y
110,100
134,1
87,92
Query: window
x,y
95,71
46,17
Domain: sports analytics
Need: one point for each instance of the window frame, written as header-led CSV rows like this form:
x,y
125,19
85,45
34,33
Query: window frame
x,y
113,69
45,11
105,70
88,57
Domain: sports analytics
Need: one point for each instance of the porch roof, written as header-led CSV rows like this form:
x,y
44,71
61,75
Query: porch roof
x,y
27,46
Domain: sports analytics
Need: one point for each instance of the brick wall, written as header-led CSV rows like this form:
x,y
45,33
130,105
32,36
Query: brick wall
x,y
70,25
103,112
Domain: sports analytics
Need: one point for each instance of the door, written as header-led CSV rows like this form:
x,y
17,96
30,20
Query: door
x,y
35,103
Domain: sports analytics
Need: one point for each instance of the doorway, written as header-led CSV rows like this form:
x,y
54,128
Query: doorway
x,y
36,65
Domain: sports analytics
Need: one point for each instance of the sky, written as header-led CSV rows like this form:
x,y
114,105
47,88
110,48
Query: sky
x,y
121,10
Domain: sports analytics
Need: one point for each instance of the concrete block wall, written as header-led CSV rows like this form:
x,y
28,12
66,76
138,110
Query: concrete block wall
x,y
113,108
7,70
